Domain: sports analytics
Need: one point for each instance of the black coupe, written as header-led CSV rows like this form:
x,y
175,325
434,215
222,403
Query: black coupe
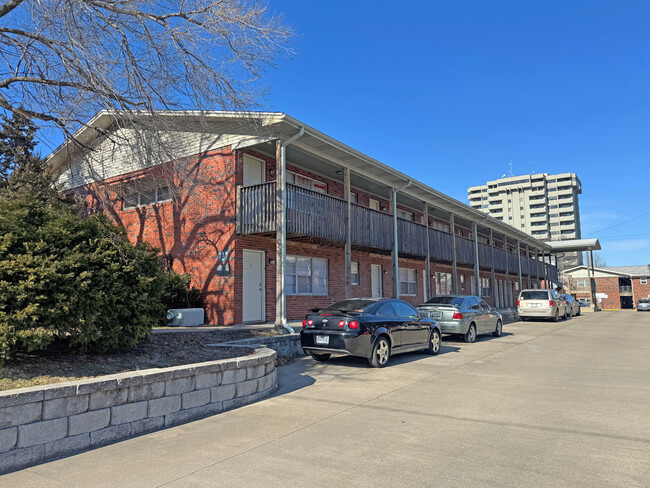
x,y
373,328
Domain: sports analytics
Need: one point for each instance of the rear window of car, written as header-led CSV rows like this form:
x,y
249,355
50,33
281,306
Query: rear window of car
x,y
644,300
356,305
534,295
445,301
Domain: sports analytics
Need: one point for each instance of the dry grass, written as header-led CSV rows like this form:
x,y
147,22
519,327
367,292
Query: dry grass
x,y
159,351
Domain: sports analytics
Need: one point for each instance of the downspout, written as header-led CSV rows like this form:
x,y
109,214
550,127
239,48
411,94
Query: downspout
x,y
395,243
281,247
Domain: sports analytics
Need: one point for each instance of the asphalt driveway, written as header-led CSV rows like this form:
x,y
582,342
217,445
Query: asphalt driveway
x,y
548,404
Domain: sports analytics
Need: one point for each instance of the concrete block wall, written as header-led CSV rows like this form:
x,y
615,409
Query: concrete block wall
x,y
46,422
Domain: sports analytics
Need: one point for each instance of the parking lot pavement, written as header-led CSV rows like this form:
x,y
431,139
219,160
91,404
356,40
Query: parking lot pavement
x,y
548,404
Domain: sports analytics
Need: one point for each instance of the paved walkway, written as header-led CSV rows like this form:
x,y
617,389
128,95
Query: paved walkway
x,y
547,405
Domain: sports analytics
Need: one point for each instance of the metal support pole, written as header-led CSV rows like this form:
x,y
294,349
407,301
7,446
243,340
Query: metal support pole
x,y
477,276
348,233
395,245
528,260
454,269
493,278
593,281
521,281
427,264
508,290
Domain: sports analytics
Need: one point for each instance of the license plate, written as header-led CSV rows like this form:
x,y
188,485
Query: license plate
x,y
533,305
322,339
435,315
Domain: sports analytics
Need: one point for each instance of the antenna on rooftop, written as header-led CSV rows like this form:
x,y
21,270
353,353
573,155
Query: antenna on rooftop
x,y
510,170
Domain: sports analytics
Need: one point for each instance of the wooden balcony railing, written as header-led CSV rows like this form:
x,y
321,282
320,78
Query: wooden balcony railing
x,y
313,214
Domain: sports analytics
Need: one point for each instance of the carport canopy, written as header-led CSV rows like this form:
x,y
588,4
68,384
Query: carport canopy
x,y
574,245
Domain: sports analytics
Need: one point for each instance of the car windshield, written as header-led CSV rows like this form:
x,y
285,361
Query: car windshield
x,y
445,300
568,298
353,305
534,295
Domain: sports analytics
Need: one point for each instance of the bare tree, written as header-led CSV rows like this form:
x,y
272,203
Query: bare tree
x,y
64,60
599,261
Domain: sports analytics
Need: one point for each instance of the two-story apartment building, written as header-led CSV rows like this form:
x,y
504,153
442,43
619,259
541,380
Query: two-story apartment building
x,y
617,287
272,217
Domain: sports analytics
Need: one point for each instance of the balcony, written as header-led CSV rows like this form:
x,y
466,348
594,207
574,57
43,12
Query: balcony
x,y
314,215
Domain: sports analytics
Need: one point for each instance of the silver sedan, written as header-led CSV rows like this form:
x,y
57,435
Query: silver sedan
x,y
463,314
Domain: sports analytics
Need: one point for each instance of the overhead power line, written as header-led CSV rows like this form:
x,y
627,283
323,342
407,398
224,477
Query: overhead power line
x,y
644,214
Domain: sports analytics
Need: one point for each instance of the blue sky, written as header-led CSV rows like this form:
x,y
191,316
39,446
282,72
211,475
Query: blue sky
x,y
452,92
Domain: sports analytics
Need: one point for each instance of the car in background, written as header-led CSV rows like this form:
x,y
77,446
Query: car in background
x,y
467,315
373,328
541,304
573,307
643,305
584,302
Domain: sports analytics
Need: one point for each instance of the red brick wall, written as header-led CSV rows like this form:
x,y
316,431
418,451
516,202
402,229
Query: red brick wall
x,y
611,288
197,228
639,290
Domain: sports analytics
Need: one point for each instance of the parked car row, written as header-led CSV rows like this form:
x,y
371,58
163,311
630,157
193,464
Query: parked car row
x,y
378,328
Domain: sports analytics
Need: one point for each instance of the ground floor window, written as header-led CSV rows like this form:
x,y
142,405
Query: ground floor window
x,y
486,288
354,276
407,282
306,276
463,284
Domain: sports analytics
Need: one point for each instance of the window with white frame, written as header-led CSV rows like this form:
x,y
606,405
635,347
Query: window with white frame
x,y
581,283
407,282
306,182
139,194
354,198
643,281
440,226
373,204
403,214
306,276
486,288
354,275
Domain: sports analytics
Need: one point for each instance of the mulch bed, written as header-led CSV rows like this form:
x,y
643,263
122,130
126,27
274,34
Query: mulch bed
x,y
161,350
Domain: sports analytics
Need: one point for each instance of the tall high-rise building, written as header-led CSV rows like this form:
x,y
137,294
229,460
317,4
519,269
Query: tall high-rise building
x,y
542,205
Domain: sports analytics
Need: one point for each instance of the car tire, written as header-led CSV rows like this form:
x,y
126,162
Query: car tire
x,y
470,336
380,353
557,315
523,319
499,330
578,313
320,357
435,342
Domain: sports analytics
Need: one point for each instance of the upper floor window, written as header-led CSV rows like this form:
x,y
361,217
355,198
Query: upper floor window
x,y
373,204
306,182
643,281
145,194
403,214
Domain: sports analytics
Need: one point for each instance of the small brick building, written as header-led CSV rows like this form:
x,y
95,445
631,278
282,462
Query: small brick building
x,y
617,287
272,217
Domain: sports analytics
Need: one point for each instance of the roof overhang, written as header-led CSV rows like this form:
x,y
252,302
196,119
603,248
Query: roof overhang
x,y
268,126
575,245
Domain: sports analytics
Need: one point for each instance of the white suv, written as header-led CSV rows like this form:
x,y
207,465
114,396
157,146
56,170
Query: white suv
x,y
541,304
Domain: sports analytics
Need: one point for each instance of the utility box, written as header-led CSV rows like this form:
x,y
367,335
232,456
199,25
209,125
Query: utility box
x,y
185,317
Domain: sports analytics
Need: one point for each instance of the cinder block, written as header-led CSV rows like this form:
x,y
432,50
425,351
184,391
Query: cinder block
x,y
246,388
108,398
268,367
94,385
192,414
11,398
265,382
254,372
89,421
249,361
222,393
63,407
42,432
145,426
21,458
146,391
130,412
195,399
69,445
59,391
110,434
207,380
233,376
164,405
8,438
179,386
20,414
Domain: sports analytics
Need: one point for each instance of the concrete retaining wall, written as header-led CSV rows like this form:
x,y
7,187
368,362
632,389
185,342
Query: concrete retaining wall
x,y
284,345
43,423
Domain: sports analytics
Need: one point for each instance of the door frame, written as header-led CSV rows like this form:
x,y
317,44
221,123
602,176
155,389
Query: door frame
x,y
262,161
263,291
381,279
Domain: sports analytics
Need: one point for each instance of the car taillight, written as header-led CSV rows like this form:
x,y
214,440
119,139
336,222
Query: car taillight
x,y
518,302
353,324
551,303
457,316
310,322
304,322
342,323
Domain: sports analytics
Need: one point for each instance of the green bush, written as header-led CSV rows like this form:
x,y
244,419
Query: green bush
x,y
71,282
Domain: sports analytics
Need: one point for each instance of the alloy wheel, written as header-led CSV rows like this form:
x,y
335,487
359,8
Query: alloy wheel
x,y
382,352
435,342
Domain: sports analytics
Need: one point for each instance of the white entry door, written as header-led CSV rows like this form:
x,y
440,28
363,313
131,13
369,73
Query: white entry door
x,y
253,171
376,279
253,278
